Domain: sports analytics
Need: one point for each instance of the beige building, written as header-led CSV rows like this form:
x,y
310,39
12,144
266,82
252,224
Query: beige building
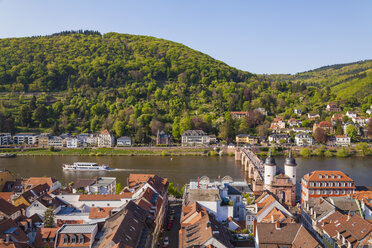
x,y
106,139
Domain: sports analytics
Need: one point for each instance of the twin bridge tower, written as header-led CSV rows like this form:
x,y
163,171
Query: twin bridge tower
x,y
265,175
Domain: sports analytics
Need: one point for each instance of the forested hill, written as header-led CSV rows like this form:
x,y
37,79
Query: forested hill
x,y
72,60
344,80
135,85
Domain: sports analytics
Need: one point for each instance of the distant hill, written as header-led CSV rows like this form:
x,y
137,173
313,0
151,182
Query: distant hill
x,y
345,80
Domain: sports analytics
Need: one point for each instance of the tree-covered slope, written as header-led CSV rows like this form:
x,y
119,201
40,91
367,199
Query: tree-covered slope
x,y
62,61
135,85
344,80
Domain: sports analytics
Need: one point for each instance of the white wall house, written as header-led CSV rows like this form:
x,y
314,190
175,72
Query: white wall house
x,y
25,138
343,140
303,139
194,138
72,142
5,138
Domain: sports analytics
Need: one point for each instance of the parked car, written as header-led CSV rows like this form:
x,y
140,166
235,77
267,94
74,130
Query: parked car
x,y
166,242
170,222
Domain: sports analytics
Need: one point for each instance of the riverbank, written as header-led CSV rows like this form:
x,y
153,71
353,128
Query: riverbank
x,y
325,152
130,151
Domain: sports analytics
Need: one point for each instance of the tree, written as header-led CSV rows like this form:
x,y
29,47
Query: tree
x,y
185,124
305,152
119,128
49,218
351,131
176,128
339,130
156,126
41,116
25,116
320,135
119,188
363,148
243,127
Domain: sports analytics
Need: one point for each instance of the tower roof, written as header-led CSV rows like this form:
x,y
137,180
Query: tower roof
x,y
270,160
290,160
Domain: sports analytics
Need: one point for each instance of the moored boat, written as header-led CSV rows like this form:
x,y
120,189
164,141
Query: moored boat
x,y
7,155
85,166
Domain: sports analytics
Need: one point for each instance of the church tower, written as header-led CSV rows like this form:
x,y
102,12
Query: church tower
x,y
270,169
290,167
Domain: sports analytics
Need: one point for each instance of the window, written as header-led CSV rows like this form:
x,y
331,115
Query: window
x,y
330,192
73,239
81,239
324,192
330,184
108,204
65,239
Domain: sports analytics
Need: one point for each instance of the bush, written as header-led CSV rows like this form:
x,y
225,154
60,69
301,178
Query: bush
x,y
328,154
99,154
343,152
363,149
52,149
305,152
319,152
164,153
92,154
231,154
213,153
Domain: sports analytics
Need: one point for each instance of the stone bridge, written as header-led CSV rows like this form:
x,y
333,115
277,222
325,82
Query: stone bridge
x,y
253,166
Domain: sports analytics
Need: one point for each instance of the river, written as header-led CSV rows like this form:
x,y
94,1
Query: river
x,y
178,169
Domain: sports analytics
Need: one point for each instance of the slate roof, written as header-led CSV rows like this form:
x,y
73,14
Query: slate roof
x,y
7,208
194,133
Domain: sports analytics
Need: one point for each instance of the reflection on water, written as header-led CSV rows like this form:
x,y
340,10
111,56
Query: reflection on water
x,y
179,169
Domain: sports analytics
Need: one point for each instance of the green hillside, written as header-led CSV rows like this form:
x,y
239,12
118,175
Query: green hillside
x,y
134,85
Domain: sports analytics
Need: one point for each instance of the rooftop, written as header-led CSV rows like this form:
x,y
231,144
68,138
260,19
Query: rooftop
x,y
79,228
203,195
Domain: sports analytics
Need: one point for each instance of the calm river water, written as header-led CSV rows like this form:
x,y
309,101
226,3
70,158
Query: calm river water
x,y
179,169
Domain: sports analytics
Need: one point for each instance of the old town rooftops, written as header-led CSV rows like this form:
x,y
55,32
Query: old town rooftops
x,y
100,197
323,175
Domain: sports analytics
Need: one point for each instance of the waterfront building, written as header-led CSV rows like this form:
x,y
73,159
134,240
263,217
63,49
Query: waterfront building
x,y
246,139
319,183
72,142
163,138
106,139
43,140
71,236
303,139
284,235
276,138
343,140
55,141
25,138
124,141
195,138
5,138
283,185
201,229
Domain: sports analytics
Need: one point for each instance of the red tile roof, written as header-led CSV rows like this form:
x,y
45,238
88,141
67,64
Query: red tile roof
x,y
99,213
314,176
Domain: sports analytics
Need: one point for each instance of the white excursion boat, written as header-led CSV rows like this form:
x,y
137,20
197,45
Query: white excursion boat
x,y
85,166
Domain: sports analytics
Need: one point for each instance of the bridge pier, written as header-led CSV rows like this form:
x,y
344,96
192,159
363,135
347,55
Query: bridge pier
x,y
238,154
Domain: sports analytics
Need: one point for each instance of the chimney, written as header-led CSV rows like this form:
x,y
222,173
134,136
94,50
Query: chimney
x,y
277,225
254,227
7,238
311,211
272,219
198,182
348,216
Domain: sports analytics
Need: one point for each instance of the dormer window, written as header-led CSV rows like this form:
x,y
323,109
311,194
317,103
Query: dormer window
x,y
73,238
320,176
81,239
65,239
326,176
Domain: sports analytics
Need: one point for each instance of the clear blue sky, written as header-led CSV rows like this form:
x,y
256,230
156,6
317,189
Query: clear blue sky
x,y
257,36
